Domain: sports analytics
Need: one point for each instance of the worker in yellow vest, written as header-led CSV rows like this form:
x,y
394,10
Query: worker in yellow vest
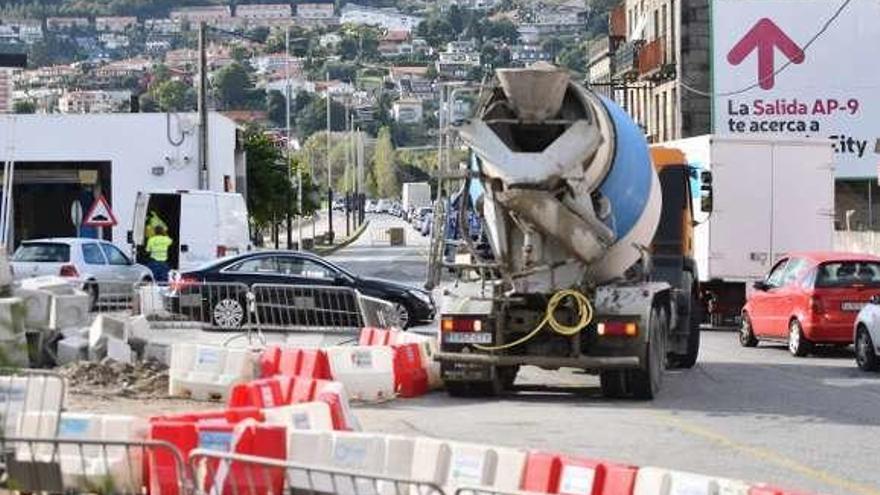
x,y
157,251
154,221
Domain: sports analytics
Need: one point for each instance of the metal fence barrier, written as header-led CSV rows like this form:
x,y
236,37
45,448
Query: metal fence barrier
x,y
278,307
30,391
60,465
236,474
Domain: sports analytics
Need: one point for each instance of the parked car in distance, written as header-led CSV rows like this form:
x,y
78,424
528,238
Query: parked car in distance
x,y
98,267
411,304
370,206
427,223
383,206
339,204
419,215
810,298
866,336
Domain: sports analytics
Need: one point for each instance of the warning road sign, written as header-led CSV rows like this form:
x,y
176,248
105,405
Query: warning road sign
x,y
100,214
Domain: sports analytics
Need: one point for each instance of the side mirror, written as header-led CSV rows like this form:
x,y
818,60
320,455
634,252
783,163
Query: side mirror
x,y
761,285
875,299
706,192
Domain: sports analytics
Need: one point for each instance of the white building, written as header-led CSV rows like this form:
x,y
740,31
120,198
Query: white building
x,y
96,101
162,26
5,90
28,32
388,18
59,23
115,24
407,111
264,11
211,14
316,11
117,155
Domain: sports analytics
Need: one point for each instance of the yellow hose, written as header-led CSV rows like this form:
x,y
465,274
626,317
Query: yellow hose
x,y
584,309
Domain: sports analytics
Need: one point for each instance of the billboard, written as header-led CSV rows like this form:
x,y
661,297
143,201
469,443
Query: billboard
x,y
807,68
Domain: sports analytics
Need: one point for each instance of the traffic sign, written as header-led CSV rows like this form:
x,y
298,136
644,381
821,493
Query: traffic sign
x,y
100,214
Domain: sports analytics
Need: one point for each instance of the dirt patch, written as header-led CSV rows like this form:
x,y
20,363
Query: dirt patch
x,y
108,378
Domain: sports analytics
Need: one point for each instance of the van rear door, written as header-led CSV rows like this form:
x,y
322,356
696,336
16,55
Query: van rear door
x,y
139,221
199,228
233,235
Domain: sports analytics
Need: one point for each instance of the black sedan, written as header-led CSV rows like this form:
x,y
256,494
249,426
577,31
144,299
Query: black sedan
x,y
283,296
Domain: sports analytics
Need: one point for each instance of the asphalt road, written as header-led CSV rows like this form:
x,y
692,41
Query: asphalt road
x,y
754,414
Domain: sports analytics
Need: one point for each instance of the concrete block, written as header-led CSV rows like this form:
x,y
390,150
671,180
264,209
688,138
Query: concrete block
x,y
38,304
158,351
69,310
81,332
139,327
119,350
72,349
104,329
51,283
14,351
12,316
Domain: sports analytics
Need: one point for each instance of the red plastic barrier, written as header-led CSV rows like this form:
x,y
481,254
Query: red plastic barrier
x,y
770,490
269,361
310,363
247,438
263,393
301,390
558,474
377,336
333,393
366,336
410,378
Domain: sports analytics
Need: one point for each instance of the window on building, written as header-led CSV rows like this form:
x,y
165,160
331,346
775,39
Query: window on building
x,y
673,114
658,110
656,23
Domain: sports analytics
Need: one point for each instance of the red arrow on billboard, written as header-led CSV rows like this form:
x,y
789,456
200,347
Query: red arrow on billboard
x,y
765,36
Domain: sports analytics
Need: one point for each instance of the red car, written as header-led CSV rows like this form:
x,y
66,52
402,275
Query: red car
x,y
810,298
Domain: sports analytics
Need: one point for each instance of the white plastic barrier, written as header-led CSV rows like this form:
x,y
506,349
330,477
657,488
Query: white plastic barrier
x,y
306,416
335,395
29,395
207,372
427,348
656,481
368,453
151,301
454,465
85,466
367,372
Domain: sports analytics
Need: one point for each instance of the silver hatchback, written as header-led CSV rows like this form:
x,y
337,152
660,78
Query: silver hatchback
x,y
97,266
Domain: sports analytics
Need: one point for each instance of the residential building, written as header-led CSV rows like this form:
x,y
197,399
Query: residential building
x,y
459,59
97,101
407,111
115,24
46,77
25,31
61,23
527,54
653,47
329,40
481,5
5,90
264,11
209,14
316,12
388,18
162,26
114,41
157,46
395,42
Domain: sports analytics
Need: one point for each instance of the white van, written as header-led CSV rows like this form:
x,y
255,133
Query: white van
x,y
204,225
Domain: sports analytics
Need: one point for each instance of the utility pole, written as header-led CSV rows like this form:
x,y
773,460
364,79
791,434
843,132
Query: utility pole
x,y
203,107
287,139
329,171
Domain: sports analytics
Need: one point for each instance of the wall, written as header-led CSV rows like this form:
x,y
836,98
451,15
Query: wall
x,y
694,67
857,242
133,144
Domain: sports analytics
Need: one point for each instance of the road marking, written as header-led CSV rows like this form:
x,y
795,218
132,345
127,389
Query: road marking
x,y
767,455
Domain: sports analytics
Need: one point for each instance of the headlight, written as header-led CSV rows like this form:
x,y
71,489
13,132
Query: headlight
x,y
421,296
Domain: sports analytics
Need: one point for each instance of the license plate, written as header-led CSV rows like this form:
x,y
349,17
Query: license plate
x,y
852,306
468,338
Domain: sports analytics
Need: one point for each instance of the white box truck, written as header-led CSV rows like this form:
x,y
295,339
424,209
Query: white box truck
x,y
415,195
770,196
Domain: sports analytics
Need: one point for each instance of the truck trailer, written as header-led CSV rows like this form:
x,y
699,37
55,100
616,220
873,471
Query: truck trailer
x,y
771,196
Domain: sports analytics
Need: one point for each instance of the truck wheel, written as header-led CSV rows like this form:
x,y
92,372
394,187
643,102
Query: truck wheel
x,y
644,384
689,358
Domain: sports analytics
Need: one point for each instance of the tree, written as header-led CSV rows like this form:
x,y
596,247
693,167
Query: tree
x,y
504,30
314,117
239,54
174,96
259,33
384,166
552,46
24,106
147,103
232,85
574,57
275,106
270,193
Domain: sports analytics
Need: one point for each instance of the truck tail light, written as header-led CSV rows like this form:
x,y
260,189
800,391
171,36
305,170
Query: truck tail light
x,y
461,325
69,271
617,329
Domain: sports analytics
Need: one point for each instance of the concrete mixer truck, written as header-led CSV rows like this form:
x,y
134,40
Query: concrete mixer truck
x,y
579,275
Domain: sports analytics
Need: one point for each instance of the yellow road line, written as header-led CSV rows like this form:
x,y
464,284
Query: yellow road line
x,y
768,456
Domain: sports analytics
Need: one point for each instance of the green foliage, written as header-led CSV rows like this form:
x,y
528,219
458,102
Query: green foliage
x,y
436,29
359,43
275,106
24,106
270,193
503,30
174,96
234,88
574,57
597,23
385,166
313,118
